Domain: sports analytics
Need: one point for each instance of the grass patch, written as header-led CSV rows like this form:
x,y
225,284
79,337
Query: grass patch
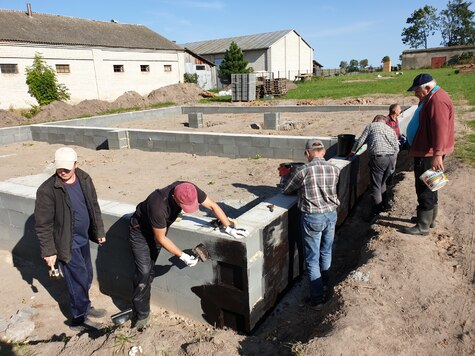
x,y
217,99
459,86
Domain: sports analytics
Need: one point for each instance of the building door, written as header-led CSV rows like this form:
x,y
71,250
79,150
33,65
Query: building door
x,y
437,62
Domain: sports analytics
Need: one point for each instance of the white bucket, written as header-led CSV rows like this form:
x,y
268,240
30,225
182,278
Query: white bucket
x,y
434,179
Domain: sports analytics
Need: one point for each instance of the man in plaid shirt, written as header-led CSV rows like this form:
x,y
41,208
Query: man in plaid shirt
x,y
383,147
316,184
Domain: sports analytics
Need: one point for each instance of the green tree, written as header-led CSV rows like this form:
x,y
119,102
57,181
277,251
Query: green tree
x,y
423,23
233,63
343,64
457,24
43,84
363,64
353,66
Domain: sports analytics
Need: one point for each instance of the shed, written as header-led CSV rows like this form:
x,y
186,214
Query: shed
x,y
432,57
283,53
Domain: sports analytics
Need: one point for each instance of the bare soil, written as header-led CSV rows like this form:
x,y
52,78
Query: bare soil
x,y
394,294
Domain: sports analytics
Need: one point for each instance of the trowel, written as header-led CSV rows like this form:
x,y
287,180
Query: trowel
x,y
201,252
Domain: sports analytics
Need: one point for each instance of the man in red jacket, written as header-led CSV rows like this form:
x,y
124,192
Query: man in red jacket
x,y
431,136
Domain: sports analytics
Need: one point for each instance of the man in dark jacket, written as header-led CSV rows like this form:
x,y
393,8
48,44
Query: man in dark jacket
x,y
67,216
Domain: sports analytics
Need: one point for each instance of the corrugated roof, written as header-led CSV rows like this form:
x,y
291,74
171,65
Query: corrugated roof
x,y
246,43
17,26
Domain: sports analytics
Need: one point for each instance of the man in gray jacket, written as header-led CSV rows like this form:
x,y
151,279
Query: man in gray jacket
x,y
67,216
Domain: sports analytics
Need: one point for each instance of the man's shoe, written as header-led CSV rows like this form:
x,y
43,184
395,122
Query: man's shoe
x,y
433,223
424,219
142,324
97,313
86,325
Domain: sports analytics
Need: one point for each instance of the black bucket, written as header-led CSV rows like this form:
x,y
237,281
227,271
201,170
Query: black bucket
x,y
345,144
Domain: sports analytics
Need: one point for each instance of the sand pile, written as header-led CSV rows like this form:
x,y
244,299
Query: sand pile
x,y
8,118
177,93
130,99
55,111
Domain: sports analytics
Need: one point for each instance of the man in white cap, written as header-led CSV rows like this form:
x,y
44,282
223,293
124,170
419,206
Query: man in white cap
x,y
316,184
148,233
67,216
430,134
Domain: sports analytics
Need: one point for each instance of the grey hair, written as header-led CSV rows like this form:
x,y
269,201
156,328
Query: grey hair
x,y
431,84
379,118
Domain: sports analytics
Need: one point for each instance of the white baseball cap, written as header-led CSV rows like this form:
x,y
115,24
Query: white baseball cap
x,y
65,157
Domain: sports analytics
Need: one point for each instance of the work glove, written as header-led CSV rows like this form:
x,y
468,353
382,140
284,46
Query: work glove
x,y
190,261
236,233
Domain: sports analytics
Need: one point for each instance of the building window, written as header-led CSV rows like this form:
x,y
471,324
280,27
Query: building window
x,y
200,67
144,68
62,68
9,68
167,68
118,68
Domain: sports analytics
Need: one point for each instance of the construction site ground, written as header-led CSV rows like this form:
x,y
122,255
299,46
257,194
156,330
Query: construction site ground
x,y
394,294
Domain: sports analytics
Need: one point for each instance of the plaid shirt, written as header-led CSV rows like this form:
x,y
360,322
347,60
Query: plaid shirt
x,y
380,138
316,183
394,124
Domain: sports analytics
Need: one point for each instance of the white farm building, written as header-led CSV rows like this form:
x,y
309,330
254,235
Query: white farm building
x,y
94,59
283,53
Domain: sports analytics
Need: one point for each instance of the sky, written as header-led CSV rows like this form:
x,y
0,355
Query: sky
x,y
336,30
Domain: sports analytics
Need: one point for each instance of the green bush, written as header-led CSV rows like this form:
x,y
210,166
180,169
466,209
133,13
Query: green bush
x,y
43,84
191,78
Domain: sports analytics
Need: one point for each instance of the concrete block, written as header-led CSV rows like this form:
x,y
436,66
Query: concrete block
x,y
271,120
195,120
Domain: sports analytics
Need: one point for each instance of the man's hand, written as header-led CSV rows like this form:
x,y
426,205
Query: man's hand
x,y
190,261
437,163
236,233
50,260
101,240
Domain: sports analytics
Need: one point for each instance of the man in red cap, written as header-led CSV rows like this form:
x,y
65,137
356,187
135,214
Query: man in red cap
x,y
148,233
430,134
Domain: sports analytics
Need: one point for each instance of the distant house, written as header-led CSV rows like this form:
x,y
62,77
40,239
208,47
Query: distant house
x,y
285,54
432,57
95,60
206,70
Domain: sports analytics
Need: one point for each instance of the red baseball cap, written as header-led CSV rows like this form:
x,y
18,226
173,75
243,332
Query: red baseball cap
x,y
187,197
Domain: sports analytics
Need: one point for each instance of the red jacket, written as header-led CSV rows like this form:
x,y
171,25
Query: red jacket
x,y
435,134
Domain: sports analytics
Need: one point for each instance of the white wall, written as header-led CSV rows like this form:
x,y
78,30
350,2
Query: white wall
x,y
91,71
290,56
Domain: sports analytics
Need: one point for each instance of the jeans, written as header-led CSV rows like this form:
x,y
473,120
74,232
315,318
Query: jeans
x,y
145,251
78,277
318,232
426,198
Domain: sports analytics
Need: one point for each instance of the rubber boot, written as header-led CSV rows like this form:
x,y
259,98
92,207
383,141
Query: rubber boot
x,y
434,216
433,223
424,219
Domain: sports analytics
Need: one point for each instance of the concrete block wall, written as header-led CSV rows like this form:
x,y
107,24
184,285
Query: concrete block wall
x,y
15,134
222,144
235,288
89,137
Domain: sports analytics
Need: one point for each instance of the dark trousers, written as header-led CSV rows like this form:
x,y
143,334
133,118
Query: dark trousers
x,y
426,198
381,168
145,251
78,277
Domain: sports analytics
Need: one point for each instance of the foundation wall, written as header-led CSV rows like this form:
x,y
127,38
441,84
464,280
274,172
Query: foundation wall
x,y
235,288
